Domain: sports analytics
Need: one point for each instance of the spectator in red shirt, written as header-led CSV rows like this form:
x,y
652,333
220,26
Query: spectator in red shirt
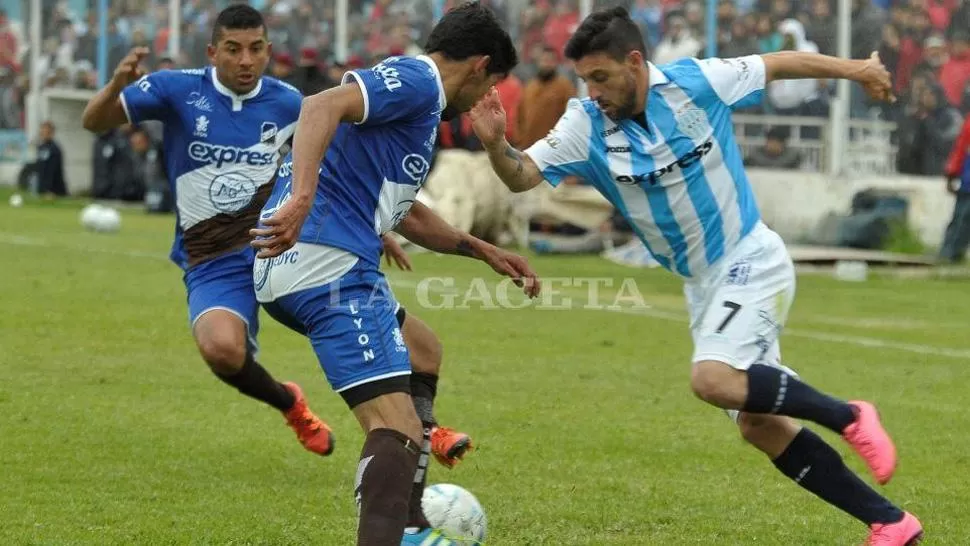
x,y
560,25
8,45
957,237
956,71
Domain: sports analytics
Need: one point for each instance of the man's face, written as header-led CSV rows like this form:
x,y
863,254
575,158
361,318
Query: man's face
x,y
46,132
548,62
139,142
240,58
476,85
611,83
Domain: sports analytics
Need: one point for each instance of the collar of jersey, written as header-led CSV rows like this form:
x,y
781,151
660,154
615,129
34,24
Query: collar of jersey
x,y
236,98
656,76
442,100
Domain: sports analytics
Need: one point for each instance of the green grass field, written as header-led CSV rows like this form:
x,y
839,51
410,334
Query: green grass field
x,y
112,431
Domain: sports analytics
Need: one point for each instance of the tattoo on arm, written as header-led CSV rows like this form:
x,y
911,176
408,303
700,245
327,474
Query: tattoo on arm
x,y
464,248
516,155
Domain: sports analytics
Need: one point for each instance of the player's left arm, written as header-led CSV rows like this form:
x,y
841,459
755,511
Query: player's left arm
x,y
739,82
793,65
423,227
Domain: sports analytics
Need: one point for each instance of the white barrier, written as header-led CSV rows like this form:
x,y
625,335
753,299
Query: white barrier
x,y
795,203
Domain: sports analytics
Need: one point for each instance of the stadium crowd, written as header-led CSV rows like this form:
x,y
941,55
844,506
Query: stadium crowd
x,y
926,43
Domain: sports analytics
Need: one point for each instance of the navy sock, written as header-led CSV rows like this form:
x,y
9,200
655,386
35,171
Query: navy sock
x,y
253,380
772,390
815,466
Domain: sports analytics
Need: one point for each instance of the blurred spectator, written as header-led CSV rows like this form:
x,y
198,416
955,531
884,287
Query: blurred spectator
x,y
927,136
282,68
510,90
308,77
741,40
821,27
957,237
678,42
955,72
769,40
561,23
111,163
9,48
648,15
775,154
165,63
543,101
147,167
50,163
797,97
867,23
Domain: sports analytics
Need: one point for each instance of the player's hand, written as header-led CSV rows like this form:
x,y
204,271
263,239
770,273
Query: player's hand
x,y
488,119
515,267
130,69
875,79
281,230
394,254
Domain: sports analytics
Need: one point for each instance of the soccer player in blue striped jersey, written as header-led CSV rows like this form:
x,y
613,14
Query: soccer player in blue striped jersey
x,y
658,143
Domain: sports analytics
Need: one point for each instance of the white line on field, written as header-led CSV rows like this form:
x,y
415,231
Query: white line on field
x,y
859,341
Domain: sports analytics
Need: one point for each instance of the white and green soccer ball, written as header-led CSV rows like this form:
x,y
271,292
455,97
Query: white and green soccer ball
x,y
455,511
100,218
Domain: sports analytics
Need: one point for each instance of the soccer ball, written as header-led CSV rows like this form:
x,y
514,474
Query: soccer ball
x,y
455,511
100,218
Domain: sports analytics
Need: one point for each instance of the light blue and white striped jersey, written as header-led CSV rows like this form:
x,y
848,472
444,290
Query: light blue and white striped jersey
x,y
681,183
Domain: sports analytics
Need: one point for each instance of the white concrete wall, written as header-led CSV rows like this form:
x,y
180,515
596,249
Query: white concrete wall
x,y
794,203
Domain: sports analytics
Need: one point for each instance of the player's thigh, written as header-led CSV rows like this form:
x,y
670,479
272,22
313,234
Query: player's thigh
x,y
424,347
223,310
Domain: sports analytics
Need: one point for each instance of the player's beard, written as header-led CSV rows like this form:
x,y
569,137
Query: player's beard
x,y
628,107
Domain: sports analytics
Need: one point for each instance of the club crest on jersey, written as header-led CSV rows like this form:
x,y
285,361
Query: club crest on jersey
x,y
201,127
692,122
231,192
416,167
267,133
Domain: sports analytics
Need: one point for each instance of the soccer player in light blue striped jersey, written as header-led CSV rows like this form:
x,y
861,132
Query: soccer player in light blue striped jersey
x,y
658,143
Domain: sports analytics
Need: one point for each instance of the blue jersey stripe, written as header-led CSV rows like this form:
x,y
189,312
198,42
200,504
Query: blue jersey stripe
x,y
698,188
603,180
663,215
724,134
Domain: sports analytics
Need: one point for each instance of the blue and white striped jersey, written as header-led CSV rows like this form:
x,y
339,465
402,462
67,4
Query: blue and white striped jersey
x,y
679,183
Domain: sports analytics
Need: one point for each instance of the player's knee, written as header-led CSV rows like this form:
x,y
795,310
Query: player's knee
x,y
224,354
717,383
754,427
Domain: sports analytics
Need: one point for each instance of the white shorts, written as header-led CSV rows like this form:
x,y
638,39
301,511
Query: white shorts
x,y
739,306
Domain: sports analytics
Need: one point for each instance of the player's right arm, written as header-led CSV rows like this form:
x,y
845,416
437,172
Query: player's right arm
x,y
561,155
106,110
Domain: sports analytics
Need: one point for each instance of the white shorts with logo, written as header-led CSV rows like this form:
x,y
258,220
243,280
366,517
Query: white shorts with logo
x,y
739,306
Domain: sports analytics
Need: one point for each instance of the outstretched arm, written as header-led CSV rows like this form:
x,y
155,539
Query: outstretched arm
x,y
425,228
790,65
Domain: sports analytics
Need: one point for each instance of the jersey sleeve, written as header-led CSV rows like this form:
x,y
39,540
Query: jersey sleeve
x,y
738,82
148,98
565,151
394,91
